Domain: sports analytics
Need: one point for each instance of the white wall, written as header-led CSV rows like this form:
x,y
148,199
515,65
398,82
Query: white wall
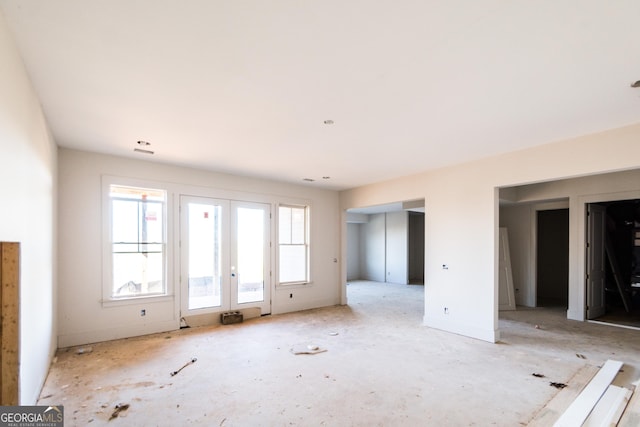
x,y
382,249
374,244
461,222
353,251
355,247
83,318
397,259
28,190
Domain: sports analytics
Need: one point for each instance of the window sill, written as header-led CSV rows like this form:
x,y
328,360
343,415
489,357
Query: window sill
x,y
151,299
293,285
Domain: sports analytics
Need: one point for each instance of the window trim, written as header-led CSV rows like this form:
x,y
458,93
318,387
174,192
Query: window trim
x,y
108,300
307,244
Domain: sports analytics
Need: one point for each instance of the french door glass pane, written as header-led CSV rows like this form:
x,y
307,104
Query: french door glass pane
x,y
250,254
204,255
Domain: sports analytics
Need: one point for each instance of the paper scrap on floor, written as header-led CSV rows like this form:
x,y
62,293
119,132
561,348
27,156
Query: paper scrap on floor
x,y
307,349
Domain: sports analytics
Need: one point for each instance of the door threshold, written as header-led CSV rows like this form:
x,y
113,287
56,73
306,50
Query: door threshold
x,y
617,325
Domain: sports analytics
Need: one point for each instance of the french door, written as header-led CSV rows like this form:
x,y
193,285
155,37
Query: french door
x,y
225,255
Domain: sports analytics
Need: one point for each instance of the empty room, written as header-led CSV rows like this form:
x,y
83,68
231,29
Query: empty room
x,y
241,213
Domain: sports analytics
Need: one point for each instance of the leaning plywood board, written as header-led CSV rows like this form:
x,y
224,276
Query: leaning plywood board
x,y
9,322
506,294
609,408
580,409
561,401
631,416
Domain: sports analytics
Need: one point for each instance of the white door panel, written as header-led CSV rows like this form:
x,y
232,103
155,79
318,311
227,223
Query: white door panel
x,y
596,229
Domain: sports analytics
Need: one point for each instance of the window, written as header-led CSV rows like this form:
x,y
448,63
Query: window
x,y
137,230
293,227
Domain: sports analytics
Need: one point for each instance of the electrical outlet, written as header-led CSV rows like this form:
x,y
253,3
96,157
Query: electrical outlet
x,y
446,310
143,312
290,295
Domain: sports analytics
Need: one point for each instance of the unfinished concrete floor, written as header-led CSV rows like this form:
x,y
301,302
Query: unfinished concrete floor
x,y
383,368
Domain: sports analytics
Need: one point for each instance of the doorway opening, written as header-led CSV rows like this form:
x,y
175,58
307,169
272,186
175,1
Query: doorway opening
x,y
613,262
552,255
415,254
386,244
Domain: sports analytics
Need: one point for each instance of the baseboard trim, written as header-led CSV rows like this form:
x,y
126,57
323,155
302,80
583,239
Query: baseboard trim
x,y
88,337
489,335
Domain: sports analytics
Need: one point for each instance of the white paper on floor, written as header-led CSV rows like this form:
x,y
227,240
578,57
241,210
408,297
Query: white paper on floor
x,y
307,349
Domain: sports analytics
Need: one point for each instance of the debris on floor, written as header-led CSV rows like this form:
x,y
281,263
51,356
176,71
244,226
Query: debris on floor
x,y
183,323
231,317
192,361
538,375
557,385
84,350
119,408
307,349
580,356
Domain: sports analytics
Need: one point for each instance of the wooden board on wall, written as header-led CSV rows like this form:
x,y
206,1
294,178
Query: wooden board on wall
x,y
9,320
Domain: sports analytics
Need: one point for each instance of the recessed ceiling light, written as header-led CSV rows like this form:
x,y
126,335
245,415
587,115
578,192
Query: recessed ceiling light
x,y
328,122
308,179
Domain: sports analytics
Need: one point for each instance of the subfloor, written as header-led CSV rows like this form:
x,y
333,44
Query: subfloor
x,y
381,367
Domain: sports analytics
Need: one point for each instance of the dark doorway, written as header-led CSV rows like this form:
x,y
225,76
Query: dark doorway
x,y
553,258
621,291
416,248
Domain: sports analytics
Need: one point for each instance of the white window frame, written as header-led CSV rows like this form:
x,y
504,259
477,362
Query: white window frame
x,y
307,234
107,248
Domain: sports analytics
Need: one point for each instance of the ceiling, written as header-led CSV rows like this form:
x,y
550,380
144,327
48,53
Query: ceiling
x,y
246,86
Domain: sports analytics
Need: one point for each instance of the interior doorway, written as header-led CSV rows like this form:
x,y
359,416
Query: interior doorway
x,y
613,262
552,266
416,248
386,247
386,244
